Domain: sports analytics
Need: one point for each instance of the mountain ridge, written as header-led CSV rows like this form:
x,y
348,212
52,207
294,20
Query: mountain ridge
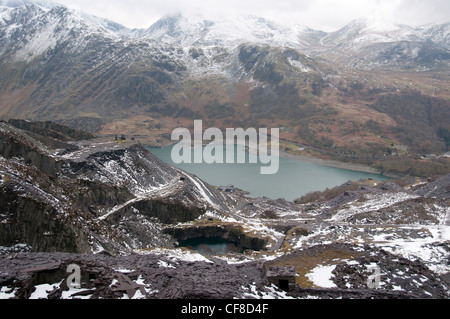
x,y
251,26
261,30
199,30
60,65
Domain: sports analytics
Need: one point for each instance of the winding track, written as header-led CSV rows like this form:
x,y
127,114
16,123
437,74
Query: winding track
x,y
166,190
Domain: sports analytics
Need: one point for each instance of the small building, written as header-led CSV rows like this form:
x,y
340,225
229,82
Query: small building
x,y
282,276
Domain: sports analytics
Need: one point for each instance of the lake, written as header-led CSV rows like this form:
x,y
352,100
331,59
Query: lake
x,y
210,246
294,178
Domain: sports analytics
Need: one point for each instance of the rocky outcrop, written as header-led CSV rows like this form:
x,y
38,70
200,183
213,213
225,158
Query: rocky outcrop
x,y
16,143
438,189
52,130
97,197
91,196
168,212
352,269
38,224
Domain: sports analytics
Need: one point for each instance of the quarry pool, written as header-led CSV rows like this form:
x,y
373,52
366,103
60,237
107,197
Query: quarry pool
x,y
210,246
294,178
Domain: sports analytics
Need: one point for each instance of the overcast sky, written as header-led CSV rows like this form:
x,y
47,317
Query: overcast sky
x,y
327,15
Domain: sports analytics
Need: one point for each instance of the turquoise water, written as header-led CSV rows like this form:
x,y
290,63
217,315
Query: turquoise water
x,y
293,180
210,246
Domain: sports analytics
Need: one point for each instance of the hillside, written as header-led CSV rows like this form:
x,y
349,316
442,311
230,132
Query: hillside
x,y
121,215
346,95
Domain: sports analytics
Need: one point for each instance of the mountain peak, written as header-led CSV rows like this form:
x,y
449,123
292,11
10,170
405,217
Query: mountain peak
x,y
375,24
220,29
19,3
361,32
35,29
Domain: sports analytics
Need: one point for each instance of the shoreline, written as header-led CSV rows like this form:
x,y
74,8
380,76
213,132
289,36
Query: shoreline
x,y
315,160
332,163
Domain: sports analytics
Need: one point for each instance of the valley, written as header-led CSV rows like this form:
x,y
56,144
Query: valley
x,y
146,83
114,209
87,110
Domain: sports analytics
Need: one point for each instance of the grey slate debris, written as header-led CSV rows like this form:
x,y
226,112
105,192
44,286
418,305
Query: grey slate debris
x,y
161,276
23,272
127,285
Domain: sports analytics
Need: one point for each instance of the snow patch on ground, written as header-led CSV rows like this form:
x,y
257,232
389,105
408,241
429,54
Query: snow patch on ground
x,y
124,270
427,249
177,254
164,264
202,188
299,65
7,293
252,292
373,202
321,276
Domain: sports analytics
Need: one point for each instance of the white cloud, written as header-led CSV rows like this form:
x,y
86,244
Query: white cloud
x,y
328,15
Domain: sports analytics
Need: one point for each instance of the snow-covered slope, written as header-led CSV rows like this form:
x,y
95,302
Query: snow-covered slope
x,y
220,30
366,44
199,30
30,30
48,5
362,32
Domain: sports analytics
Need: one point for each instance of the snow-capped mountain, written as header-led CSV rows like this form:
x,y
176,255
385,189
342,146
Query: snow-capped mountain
x,y
363,32
65,52
42,24
366,44
438,33
363,43
61,64
36,9
31,30
199,30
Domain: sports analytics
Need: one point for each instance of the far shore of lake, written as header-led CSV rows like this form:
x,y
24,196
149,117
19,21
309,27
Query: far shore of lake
x,y
331,163
315,160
